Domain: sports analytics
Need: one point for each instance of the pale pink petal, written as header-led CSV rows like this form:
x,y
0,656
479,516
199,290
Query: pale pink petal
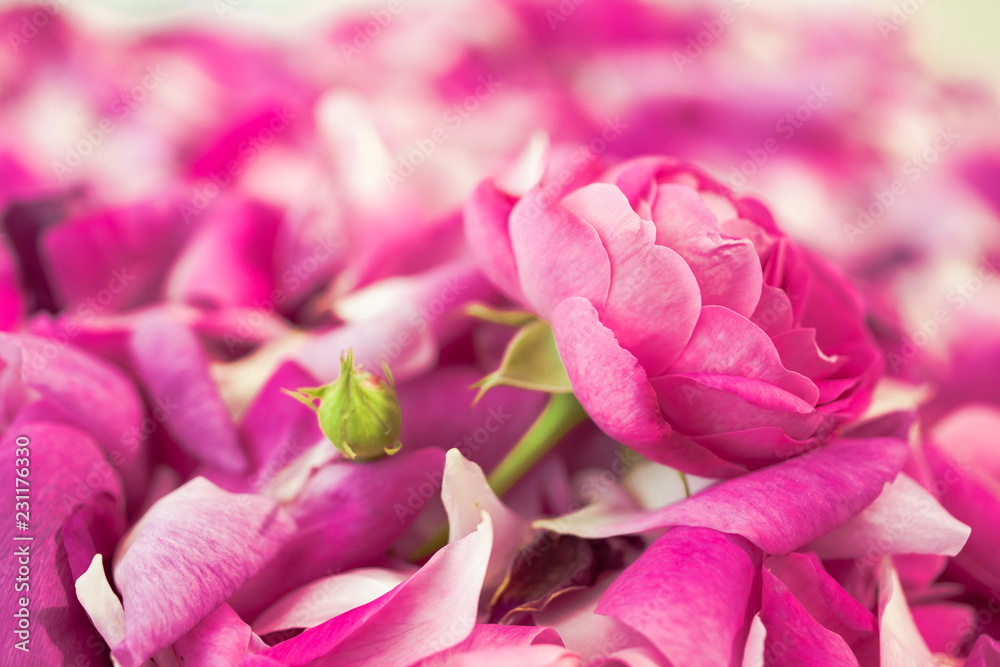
x,y
904,519
487,215
900,641
185,557
323,599
430,612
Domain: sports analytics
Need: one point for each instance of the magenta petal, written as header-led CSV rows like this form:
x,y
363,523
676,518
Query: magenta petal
x,y
430,612
780,508
347,515
726,343
174,367
558,256
727,269
186,556
649,283
275,427
691,573
614,390
87,392
822,597
794,637
221,639
66,471
986,653
11,299
487,216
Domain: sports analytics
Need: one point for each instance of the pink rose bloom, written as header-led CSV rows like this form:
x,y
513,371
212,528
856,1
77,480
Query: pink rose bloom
x,y
691,328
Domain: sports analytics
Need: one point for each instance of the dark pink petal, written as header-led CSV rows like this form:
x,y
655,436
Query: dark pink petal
x,y
649,283
116,259
794,637
780,508
229,261
11,298
347,516
800,353
774,311
614,390
84,391
221,639
700,403
487,216
822,598
944,626
186,556
275,428
986,653
433,610
691,573
66,470
726,343
558,256
171,362
727,269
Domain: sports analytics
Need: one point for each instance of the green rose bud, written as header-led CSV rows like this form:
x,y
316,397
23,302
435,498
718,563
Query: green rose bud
x,y
358,412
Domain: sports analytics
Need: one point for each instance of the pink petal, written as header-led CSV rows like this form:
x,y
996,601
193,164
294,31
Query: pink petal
x,y
174,367
649,283
347,516
558,256
487,215
793,636
323,599
221,639
904,519
66,471
431,611
185,557
727,269
495,642
616,393
822,597
725,343
986,653
691,573
466,495
780,508
87,392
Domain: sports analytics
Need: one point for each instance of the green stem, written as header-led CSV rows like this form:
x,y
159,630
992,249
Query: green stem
x,y
560,415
